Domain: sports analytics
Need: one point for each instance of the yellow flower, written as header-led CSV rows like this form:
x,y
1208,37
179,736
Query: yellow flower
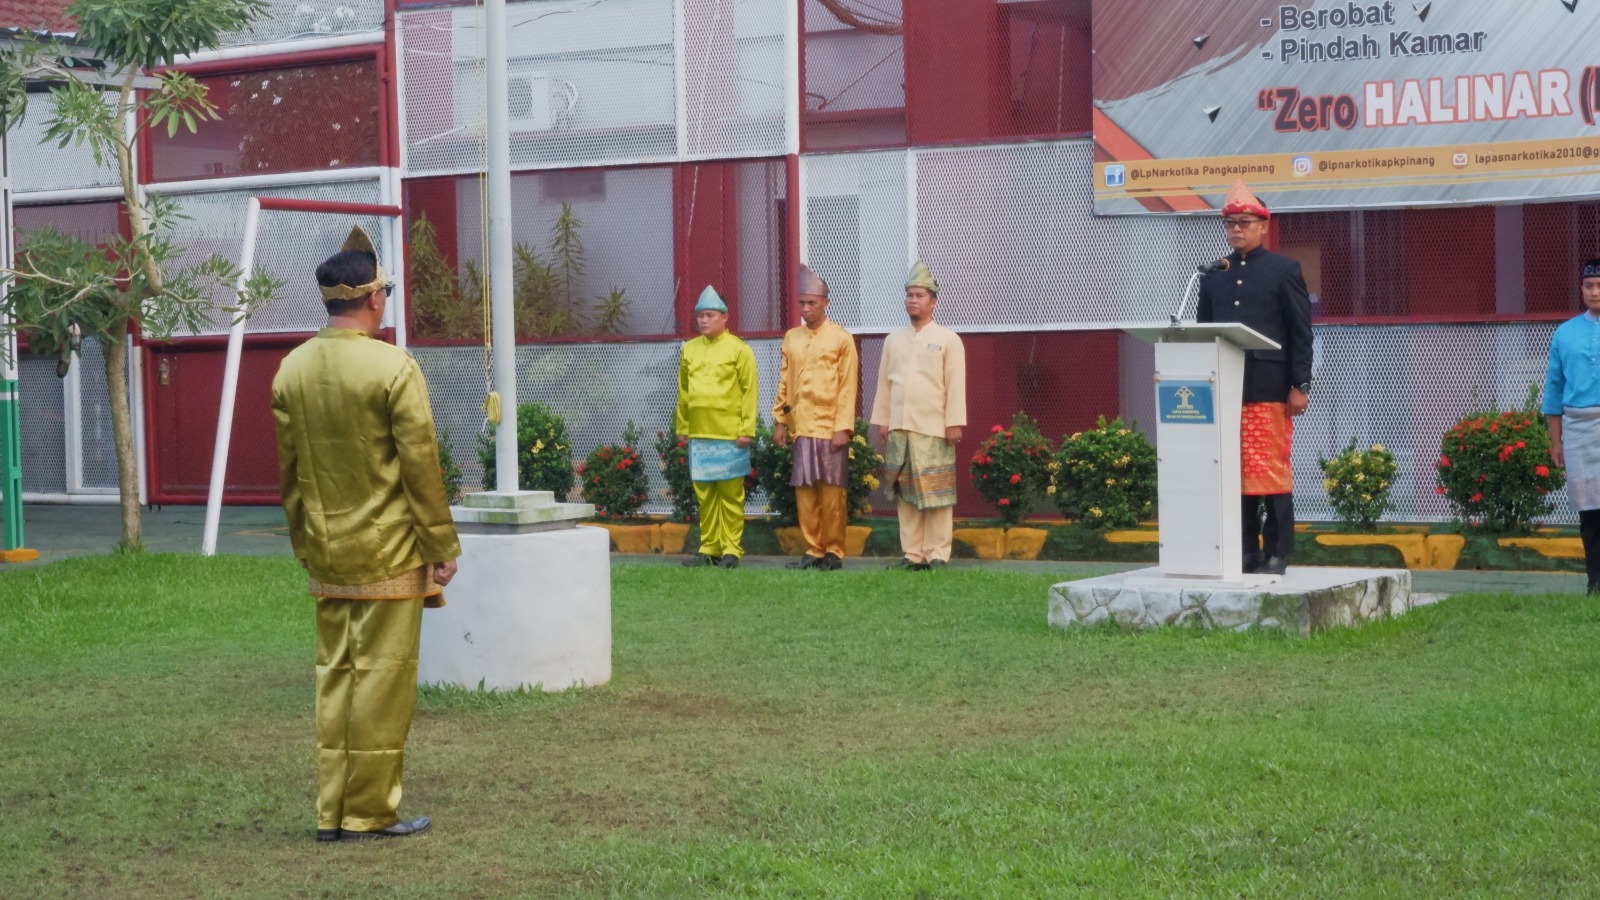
x,y
1366,498
1096,512
1110,482
1075,436
1382,485
1122,431
1050,490
1329,484
538,446
1360,477
871,483
1377,448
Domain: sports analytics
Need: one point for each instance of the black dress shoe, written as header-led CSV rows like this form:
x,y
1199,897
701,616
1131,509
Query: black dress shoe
x,y
805,562
729,561
402,828
935,564
1275,565
328,834
904,563
829,563
699,559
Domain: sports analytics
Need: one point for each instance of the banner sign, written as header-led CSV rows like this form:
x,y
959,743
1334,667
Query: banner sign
x,y
1345,105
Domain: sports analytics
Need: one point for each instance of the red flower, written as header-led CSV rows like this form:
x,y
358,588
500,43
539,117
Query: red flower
x,y
1438,490
1008,435
1016,479
1004,502
1519,445
1541,470
1476,497
997,429
1495,427
683,442
581,468
1444,461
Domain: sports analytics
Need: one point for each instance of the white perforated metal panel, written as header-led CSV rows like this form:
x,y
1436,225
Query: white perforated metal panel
x,y
626,232
590,82
44,460
734,77
1011,235
39,166
289,245
285,20
94,430
596,388
855,221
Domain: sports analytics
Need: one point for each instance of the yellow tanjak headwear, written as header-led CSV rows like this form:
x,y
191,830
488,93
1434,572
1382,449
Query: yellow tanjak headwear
x,y
357,240
922,278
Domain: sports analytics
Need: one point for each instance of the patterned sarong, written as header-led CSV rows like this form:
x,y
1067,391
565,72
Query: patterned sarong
x,y
816,462
921,469
407,586
1580,440
716,460
1266,434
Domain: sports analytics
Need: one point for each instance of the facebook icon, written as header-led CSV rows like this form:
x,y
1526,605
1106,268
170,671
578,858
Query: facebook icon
x,y
1116,175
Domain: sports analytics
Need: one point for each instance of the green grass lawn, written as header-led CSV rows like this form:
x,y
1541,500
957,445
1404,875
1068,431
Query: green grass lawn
x,y
796,734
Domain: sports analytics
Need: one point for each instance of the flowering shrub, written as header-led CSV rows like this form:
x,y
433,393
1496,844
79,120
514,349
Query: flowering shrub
x,y
674,453
449,471
1358,482
544,455
1105,477
773,466
1495,470
865,463
613,479
1011,467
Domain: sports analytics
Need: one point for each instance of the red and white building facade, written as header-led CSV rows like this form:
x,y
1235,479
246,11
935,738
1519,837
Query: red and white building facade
x,y
720,142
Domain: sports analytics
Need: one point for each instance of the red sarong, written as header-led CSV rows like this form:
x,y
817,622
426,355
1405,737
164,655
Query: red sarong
x,y
1266,433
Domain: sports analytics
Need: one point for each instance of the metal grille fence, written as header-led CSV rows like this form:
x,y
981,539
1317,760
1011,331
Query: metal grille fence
x,y
616,208
288,245
596,388
598,83
1008,231
37,165
44,438
855,77
285,20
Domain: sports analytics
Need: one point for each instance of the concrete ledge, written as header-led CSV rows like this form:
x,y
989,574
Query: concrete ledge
x,y
1308,599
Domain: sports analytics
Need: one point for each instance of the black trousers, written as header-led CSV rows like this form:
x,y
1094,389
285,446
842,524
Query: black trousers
x,y
1276,536
1589,530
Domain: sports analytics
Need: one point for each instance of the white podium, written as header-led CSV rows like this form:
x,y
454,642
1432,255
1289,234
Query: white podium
x,y
1199,389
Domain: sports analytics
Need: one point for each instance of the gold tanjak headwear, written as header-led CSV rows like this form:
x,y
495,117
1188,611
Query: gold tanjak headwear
x,y
357,240
922,278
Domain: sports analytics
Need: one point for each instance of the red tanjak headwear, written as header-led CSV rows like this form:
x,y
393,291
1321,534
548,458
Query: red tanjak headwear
x,y
1241,201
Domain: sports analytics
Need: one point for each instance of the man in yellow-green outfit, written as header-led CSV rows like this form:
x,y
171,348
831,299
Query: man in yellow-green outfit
x,y
358,468
717,413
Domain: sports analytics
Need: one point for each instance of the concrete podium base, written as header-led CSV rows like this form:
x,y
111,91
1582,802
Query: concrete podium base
x,y
528,609
1306,599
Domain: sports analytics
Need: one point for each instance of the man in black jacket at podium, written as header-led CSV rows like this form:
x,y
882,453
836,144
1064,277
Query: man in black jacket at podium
x,y
1265,291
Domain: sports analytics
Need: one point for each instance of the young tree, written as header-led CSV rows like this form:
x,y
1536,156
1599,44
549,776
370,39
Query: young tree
x,y
65,289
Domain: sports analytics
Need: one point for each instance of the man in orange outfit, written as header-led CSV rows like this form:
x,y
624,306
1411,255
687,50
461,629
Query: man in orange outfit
x,y
816,405
1265,291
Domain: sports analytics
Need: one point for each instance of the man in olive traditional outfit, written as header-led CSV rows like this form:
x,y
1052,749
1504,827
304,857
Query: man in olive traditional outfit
x,y
816,405
1572,410
1265,291
717,413
358,467
922,400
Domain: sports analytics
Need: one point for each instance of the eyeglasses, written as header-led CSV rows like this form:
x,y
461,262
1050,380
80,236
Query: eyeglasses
x,y
1240,223
388,289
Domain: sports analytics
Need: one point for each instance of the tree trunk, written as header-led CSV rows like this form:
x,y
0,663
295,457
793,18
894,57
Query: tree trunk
x,y
116,354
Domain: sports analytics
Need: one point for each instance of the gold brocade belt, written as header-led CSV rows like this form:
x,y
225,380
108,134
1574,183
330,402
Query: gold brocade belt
x,y
406,586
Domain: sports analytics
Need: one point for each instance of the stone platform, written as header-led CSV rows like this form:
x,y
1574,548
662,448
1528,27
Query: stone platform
x,y
1305,600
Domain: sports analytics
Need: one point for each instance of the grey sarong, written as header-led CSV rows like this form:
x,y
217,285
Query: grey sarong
x,y
1580,440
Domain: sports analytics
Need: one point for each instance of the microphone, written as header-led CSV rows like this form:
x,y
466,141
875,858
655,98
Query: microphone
x,y
1221,265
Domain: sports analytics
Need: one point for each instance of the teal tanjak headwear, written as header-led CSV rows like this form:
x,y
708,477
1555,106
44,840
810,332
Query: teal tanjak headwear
x,y
710,299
